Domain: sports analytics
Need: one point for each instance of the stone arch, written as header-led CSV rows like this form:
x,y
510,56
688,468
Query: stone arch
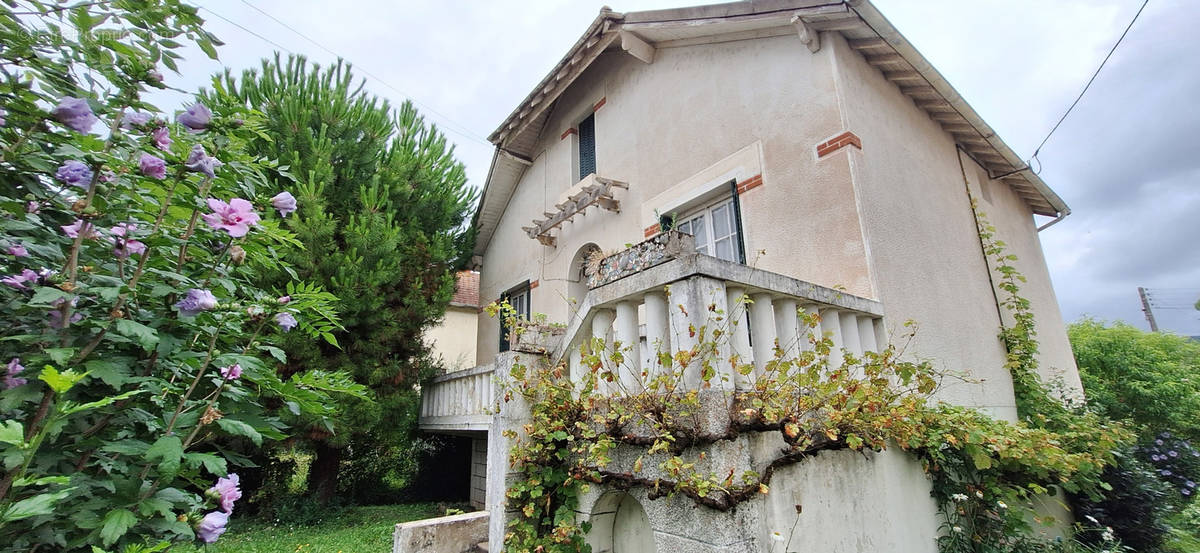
x,y
577,287
620,525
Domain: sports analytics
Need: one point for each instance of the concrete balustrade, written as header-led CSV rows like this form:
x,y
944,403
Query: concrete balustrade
x,y
755,311
461,400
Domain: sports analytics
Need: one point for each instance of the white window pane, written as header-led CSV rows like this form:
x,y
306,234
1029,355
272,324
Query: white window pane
x,y
725,249
721,226
700,231
684,227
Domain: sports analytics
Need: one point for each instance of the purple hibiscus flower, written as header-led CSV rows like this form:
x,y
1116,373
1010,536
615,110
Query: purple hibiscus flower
x,y
212,526
232,372
125,244
135,119
234,217
10,379
3,114
74,113
153,166
56,314
162,139
285,202
226,490
286,321
79,226
199,161
74,173
18,280
196,118
17,250
196,301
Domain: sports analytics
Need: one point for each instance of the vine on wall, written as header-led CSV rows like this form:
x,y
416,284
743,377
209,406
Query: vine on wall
x,y
984,471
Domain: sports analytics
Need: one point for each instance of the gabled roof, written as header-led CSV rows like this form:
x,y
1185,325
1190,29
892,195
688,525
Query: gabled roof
x,y
865,29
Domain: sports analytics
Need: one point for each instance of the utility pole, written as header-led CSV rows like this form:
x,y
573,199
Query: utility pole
x,y
1146,309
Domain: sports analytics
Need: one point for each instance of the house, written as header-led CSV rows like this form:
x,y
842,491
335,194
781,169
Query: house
x,y
452,340
819,163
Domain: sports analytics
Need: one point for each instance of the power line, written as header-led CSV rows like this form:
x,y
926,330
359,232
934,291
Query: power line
x,y
462,130
1090,81
235,24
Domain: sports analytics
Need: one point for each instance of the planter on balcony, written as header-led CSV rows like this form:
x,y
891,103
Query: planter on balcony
x,y
532,337
656,250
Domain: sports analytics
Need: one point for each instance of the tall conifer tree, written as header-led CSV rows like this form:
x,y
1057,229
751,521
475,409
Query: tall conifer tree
x,y
383,209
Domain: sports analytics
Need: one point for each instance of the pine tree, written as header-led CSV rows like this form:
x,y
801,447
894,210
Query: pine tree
x,y
383,206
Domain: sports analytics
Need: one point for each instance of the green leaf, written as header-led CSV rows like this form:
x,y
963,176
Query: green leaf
x,y
72,408
239,428
44,296
61,355
212,463
41,504
169,450
12,432
60,382
113,373
116,523
147,337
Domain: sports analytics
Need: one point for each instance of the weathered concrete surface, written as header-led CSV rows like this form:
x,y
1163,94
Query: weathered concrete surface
x,y
451,534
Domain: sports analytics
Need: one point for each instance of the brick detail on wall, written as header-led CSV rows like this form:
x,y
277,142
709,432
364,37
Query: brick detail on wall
x,y
567,133
652,230
752,182
466,289
600,104
838,142
533,285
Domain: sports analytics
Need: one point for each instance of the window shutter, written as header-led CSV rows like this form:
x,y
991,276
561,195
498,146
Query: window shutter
x,y
587,146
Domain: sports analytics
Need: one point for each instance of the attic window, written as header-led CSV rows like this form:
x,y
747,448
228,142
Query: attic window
x,y
587,147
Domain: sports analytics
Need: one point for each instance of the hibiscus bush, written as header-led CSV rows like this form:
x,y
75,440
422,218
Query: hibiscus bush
x,y
139,347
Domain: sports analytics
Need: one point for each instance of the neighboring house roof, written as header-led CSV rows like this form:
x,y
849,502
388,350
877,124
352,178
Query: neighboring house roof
x,y
466,289
866,30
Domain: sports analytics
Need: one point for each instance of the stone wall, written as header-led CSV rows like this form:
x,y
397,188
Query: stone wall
x,y
451,534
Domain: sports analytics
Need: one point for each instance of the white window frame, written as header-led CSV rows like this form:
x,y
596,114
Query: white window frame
x,y
709,245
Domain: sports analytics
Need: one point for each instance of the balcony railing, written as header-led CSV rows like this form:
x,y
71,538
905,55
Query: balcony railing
x,y
459,401
660,308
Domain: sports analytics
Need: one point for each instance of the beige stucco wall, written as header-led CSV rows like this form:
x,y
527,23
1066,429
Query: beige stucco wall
x,y
454,340
925,253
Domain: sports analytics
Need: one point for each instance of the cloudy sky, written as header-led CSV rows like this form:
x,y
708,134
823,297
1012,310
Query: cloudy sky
x,y
1127,160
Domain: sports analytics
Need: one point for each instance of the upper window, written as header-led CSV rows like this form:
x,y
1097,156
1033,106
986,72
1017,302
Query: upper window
x,y
587,147
716,230
518,298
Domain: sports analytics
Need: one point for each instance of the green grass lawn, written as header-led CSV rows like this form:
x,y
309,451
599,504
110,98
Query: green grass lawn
x,y
356,530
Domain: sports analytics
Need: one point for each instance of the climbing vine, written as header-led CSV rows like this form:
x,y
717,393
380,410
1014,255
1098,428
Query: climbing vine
x,y
600,427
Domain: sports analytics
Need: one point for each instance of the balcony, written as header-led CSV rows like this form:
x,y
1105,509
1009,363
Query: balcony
x,y
649,299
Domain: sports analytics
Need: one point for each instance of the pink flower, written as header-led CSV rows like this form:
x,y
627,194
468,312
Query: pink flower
x,y
125,244
285,202
285,299
162,138
56,314
286,321
153,166
232,372
10,378
79,226
226,490
199,161
196,117
234,217
33,206
17,250
74,113
18,280
212,526
196,301
74,173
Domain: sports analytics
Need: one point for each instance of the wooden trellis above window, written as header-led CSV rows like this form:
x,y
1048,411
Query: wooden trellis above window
x,y
598,193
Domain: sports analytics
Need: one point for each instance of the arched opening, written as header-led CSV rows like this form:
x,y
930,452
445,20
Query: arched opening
x,y
620,525
577,287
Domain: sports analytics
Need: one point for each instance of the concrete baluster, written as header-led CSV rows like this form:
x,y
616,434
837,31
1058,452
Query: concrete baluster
x,y
739,336
810,334
602,323
831,325
630,371
866,333
787,327
657,335
762,328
